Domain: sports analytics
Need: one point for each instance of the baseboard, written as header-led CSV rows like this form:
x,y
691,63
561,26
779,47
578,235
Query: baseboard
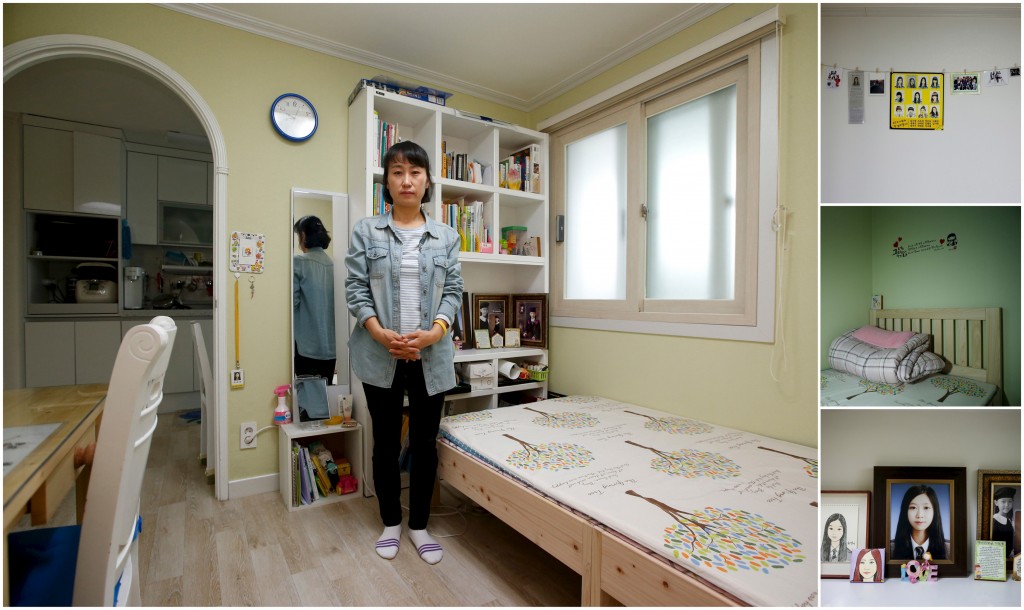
x,y
253,485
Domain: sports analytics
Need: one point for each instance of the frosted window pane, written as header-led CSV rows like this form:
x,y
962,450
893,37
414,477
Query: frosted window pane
x,y
691,190
595,216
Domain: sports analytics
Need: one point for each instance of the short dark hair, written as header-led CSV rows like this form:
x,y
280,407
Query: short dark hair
x,y
411,153
313,232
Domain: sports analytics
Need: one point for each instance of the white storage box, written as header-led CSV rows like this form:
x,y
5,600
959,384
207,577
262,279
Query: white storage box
x,y
473,370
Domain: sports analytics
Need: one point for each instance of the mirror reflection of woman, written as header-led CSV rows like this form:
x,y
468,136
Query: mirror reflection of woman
x,y
313,301
866,566
919,526
833,541
404,288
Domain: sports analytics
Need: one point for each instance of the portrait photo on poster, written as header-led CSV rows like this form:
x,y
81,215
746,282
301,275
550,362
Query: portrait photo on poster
x,y
844,516
919,510
531,318
999,509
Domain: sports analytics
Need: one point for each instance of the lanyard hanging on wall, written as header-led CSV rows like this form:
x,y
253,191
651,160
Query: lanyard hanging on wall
x,y
248,255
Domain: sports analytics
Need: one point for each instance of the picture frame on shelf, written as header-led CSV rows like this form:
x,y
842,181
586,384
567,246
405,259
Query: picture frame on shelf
x,y
458,328
481,339
490,311
867,565
990,560
846,520
926,502
512,337
999,502
531,318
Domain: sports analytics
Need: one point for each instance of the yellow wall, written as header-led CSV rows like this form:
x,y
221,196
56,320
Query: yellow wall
x,y
725,382
239,74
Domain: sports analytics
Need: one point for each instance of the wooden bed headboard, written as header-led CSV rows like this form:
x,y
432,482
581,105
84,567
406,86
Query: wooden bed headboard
x,y
969,339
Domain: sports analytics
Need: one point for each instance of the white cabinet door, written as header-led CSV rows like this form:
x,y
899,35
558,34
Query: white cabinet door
x,y
49,354
49,169
142,200
179,377
99,174
96,345
182,180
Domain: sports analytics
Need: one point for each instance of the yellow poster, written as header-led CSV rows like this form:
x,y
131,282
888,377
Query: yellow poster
x,y
916,100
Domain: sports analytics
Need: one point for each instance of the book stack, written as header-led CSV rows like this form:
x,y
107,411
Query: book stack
x,y
387,135
457,166
316,474
522,170
467,218
380,206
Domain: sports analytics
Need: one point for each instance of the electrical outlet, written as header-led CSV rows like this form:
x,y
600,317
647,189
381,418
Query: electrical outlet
x,y
247,435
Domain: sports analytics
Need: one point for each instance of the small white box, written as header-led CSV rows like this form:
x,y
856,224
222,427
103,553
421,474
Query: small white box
x,y
475,370
481,383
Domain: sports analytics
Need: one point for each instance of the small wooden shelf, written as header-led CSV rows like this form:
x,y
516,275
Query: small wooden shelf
x,y
343,442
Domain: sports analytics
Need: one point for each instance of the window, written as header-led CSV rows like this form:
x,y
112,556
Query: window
x,y
667,197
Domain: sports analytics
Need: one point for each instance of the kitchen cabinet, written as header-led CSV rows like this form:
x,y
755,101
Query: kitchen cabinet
x,y
142,197
67,170
72,352
182,180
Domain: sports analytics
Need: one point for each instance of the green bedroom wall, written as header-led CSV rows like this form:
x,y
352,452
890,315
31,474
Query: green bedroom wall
x,y
984,270
765,388
845,271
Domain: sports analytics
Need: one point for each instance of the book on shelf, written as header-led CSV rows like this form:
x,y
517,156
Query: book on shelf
x,y
303,477
327,464
523,170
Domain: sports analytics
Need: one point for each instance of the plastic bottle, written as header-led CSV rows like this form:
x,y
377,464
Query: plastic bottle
x,y
282,414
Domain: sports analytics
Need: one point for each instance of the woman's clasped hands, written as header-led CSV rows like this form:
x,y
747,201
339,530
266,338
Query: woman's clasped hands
x,y
407,347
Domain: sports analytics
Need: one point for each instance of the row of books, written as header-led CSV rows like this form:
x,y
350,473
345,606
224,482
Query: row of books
x,y
316,474
380,206
457,166
522,170
386,136
468,218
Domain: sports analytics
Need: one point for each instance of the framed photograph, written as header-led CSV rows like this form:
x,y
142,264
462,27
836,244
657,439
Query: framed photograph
x,y
876,301
512,337
918,510
490,311
845,518
999,509
876,86
867,565
458,329
531,316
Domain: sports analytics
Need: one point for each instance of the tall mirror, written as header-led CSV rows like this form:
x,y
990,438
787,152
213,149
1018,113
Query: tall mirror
x,y
318,298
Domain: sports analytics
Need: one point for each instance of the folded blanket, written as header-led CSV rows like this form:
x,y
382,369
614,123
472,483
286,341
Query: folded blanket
x,y
906,363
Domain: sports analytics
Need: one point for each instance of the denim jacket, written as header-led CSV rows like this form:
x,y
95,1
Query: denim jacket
x,y
313,302
374,260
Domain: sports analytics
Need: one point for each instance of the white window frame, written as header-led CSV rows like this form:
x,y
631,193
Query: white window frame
x,y
762,327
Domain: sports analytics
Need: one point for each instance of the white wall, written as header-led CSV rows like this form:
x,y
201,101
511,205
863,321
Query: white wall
x,y
975,159
854,441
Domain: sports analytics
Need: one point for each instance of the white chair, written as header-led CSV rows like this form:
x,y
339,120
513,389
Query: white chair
x,y
207,435
96,564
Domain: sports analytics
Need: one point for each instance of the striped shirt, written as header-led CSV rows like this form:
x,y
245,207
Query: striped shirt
x,y
409,278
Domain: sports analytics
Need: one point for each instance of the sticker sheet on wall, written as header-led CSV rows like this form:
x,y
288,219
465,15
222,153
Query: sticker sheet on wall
x,y
943,243
916,100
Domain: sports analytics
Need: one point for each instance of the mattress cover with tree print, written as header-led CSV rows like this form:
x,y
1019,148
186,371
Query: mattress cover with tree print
x,y
736,508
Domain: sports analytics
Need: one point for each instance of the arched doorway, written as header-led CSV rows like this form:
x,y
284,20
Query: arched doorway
x,y
24,54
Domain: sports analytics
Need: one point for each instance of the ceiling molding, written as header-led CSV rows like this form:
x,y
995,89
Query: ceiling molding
x,y
1006,11
319,44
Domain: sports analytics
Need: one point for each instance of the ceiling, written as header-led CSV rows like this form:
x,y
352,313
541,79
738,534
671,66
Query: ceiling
x,y
559,47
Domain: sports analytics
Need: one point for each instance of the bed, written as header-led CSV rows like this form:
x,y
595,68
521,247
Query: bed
x,y
652,509
969,340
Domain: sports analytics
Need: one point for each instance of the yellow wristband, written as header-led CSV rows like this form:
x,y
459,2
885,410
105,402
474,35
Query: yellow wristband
x,y
444,327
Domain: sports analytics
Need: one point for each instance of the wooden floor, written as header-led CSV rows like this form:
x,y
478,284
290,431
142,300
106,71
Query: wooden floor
x,y
198,551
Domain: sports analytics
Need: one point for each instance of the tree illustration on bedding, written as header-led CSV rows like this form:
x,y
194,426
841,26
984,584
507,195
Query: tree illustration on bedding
x,y
692,464
549,456
576,400
468,417
958,385
812,464
727,539
565,419
674,425
885,389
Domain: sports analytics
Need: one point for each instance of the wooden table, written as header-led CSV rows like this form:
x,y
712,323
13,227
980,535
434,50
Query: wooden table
x,y
41,480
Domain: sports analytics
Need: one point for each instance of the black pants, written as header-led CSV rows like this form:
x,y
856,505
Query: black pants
x,y
312,366
385,405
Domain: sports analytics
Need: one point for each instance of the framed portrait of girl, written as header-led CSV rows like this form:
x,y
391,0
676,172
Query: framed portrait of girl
x,y
845,516
867,565
924,511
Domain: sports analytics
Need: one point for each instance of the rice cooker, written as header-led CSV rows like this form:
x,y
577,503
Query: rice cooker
x,y
97,283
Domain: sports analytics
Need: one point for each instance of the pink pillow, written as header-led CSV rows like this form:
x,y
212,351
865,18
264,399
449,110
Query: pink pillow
x,y
879,337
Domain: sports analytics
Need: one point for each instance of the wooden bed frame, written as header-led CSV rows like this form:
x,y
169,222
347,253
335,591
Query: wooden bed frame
x,y
611,568
970,340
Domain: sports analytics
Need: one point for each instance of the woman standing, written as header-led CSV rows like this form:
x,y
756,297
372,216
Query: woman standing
x,y
833,541
919,526
313,301
404,288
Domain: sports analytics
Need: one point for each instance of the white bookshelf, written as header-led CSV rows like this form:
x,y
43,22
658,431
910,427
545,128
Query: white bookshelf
x,y
343,443
485,141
